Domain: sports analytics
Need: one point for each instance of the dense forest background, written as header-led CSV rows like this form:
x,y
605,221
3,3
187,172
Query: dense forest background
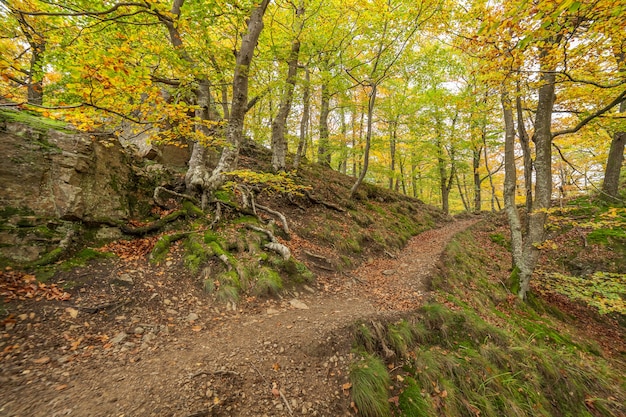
x,y
467,105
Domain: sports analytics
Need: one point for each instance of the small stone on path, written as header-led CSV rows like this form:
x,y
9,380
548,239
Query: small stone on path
x,y
119,338
298,304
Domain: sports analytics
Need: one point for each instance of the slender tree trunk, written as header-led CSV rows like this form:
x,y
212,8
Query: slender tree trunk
x,y
304,121
234,129
36,72
510,183
368,138
279,143
526,152
476,156
543,182
392,152
323,151
464,200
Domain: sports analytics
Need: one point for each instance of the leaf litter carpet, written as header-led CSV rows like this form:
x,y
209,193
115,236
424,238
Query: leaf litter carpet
x,y
166,351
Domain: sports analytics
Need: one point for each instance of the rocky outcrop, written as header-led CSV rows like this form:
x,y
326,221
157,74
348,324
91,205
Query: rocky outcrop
x,y
67,175
51,177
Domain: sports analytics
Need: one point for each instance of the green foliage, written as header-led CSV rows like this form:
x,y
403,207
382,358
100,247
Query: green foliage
x,y
282,182
602,290
370,381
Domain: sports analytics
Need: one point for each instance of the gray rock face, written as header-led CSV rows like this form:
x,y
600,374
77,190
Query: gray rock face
x,y
64,175
51,176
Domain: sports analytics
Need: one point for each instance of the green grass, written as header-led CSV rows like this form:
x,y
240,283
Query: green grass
x,y
478,356
370,381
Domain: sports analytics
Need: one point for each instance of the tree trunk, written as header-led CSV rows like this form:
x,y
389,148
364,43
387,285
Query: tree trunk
x,y
526,152
510,183
615,159
304,121
368,138
323,151
543,181
279,143
476,156
234,129
392,152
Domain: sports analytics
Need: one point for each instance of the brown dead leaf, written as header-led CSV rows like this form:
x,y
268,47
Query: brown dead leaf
x,y
42,360
196,328
60,387
346,386
276,366
72,312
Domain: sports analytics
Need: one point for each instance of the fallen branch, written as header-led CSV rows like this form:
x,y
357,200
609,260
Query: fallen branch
x,y
324,203
278,214
93,310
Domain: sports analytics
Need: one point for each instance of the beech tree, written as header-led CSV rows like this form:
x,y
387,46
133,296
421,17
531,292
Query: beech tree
x,y
546,45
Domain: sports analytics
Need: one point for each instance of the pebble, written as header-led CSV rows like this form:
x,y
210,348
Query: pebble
x,y
139,330
298,304
192,317
389,271
272,311
119,338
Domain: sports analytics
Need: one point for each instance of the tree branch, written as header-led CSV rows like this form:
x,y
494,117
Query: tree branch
x,y
592,116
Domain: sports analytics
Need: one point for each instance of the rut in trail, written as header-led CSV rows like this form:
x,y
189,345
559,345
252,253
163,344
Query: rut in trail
x,y
289,358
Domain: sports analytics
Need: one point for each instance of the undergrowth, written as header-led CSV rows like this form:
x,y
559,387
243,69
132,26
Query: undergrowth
x,y
476,351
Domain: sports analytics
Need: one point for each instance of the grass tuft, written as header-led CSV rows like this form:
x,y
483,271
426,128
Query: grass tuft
x,y
370,380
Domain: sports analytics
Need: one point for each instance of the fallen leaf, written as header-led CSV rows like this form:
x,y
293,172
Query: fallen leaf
x,y
72,312
275,392
42,360
276,366
400,378
346,386
196,328
61,387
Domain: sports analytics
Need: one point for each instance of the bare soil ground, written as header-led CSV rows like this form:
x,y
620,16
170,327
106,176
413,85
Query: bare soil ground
x,y
137,340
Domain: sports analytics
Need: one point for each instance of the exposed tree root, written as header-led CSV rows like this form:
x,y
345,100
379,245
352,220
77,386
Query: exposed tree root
x,y
324,203
55,254
157,196
273,244
380,333
278,214
144,230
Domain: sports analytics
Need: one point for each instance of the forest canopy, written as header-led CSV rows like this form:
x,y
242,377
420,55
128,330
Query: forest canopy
x,y
466,105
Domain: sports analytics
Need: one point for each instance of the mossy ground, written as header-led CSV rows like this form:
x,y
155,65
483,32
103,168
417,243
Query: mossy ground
x,y
476,351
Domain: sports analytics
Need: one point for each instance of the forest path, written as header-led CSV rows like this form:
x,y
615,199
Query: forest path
x,y
289,357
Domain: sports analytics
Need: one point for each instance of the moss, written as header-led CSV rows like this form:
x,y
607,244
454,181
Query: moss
x,y
33,120
268,282
192,210
162,247
225,196
196,254
246,220
50,257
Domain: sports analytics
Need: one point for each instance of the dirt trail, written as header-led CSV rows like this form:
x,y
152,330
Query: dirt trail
x,y
286,357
